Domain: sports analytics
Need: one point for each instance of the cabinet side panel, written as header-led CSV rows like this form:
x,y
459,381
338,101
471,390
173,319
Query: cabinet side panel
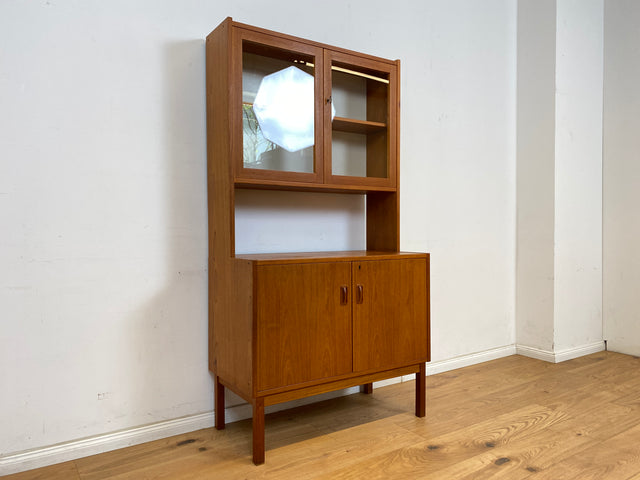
x,y
382,106
395,136
428,293
229,283
383,209
230,348
220,193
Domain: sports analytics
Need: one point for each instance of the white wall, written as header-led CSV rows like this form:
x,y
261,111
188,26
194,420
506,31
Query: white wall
x,y
559,196
535,173
458,166
622,176
103,249
578,174
271,221
103,255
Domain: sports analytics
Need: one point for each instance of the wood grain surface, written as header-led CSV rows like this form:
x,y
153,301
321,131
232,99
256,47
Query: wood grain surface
x,y
512,418
390,320
303,330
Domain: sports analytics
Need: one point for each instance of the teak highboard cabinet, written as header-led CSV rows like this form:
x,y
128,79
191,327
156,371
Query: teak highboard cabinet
x,y
284,326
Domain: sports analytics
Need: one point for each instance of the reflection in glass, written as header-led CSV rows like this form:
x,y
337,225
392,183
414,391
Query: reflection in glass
x,y
284,108
253,142
349,92
259,152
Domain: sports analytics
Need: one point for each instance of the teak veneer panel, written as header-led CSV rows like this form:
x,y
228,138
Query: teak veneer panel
x,y
229,342
357,126
276,184
310,42
337,256
388,321
303,324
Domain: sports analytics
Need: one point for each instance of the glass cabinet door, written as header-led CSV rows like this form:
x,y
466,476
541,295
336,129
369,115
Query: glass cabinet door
x,y
278,105
360,139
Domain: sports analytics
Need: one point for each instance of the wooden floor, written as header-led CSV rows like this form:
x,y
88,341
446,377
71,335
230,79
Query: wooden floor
x,y
511,418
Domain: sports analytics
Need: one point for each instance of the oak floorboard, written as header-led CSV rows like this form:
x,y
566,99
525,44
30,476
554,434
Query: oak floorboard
x,y
60,471
515,460
616,458
423,459
544,449
328,453
513,418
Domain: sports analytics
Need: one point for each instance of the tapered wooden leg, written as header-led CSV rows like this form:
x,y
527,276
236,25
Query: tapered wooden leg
x,y
367,388
421,391
258,431
219,404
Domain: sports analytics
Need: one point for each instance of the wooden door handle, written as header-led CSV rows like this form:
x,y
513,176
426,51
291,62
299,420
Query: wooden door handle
x,y
359,293
344,295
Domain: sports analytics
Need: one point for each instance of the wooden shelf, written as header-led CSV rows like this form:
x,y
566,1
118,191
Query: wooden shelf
x,y
274,184
350,125
312,257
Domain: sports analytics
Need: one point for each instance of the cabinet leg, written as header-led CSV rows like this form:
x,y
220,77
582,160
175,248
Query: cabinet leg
x,y
421,391
219,404
258,431
367,388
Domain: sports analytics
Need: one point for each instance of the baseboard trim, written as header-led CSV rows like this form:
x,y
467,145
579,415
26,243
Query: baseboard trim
x,y
470,359
560,355
41,457
537,353
64,452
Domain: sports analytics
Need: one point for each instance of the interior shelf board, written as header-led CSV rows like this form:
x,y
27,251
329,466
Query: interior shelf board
x,y
351,125
273,184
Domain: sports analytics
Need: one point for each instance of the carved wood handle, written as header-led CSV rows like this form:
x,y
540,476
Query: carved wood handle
x,y
344,295
359,293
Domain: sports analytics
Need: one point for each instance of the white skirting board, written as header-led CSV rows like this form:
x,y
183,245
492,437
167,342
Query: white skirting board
x,y
561,355
72,450
64,452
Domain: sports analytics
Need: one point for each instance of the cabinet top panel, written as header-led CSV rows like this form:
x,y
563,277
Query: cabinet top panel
x,y
338,256
307,41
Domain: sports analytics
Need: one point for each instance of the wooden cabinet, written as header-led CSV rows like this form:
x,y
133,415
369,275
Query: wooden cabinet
x,y
284,326
322,320
353,114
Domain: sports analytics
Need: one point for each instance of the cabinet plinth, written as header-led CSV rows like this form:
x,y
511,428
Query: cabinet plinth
x,y
284,326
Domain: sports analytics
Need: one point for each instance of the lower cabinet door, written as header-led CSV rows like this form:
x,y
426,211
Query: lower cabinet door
x,y
303,323
390,313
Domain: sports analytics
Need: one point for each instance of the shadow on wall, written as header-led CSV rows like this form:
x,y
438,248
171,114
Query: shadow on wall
x,y
168,340
168,337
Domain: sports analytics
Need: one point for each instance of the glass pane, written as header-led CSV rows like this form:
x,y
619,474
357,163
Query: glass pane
x,y
349,95
277,109
359,144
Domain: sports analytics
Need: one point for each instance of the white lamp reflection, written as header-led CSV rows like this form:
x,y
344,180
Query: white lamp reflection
x,y
284,107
